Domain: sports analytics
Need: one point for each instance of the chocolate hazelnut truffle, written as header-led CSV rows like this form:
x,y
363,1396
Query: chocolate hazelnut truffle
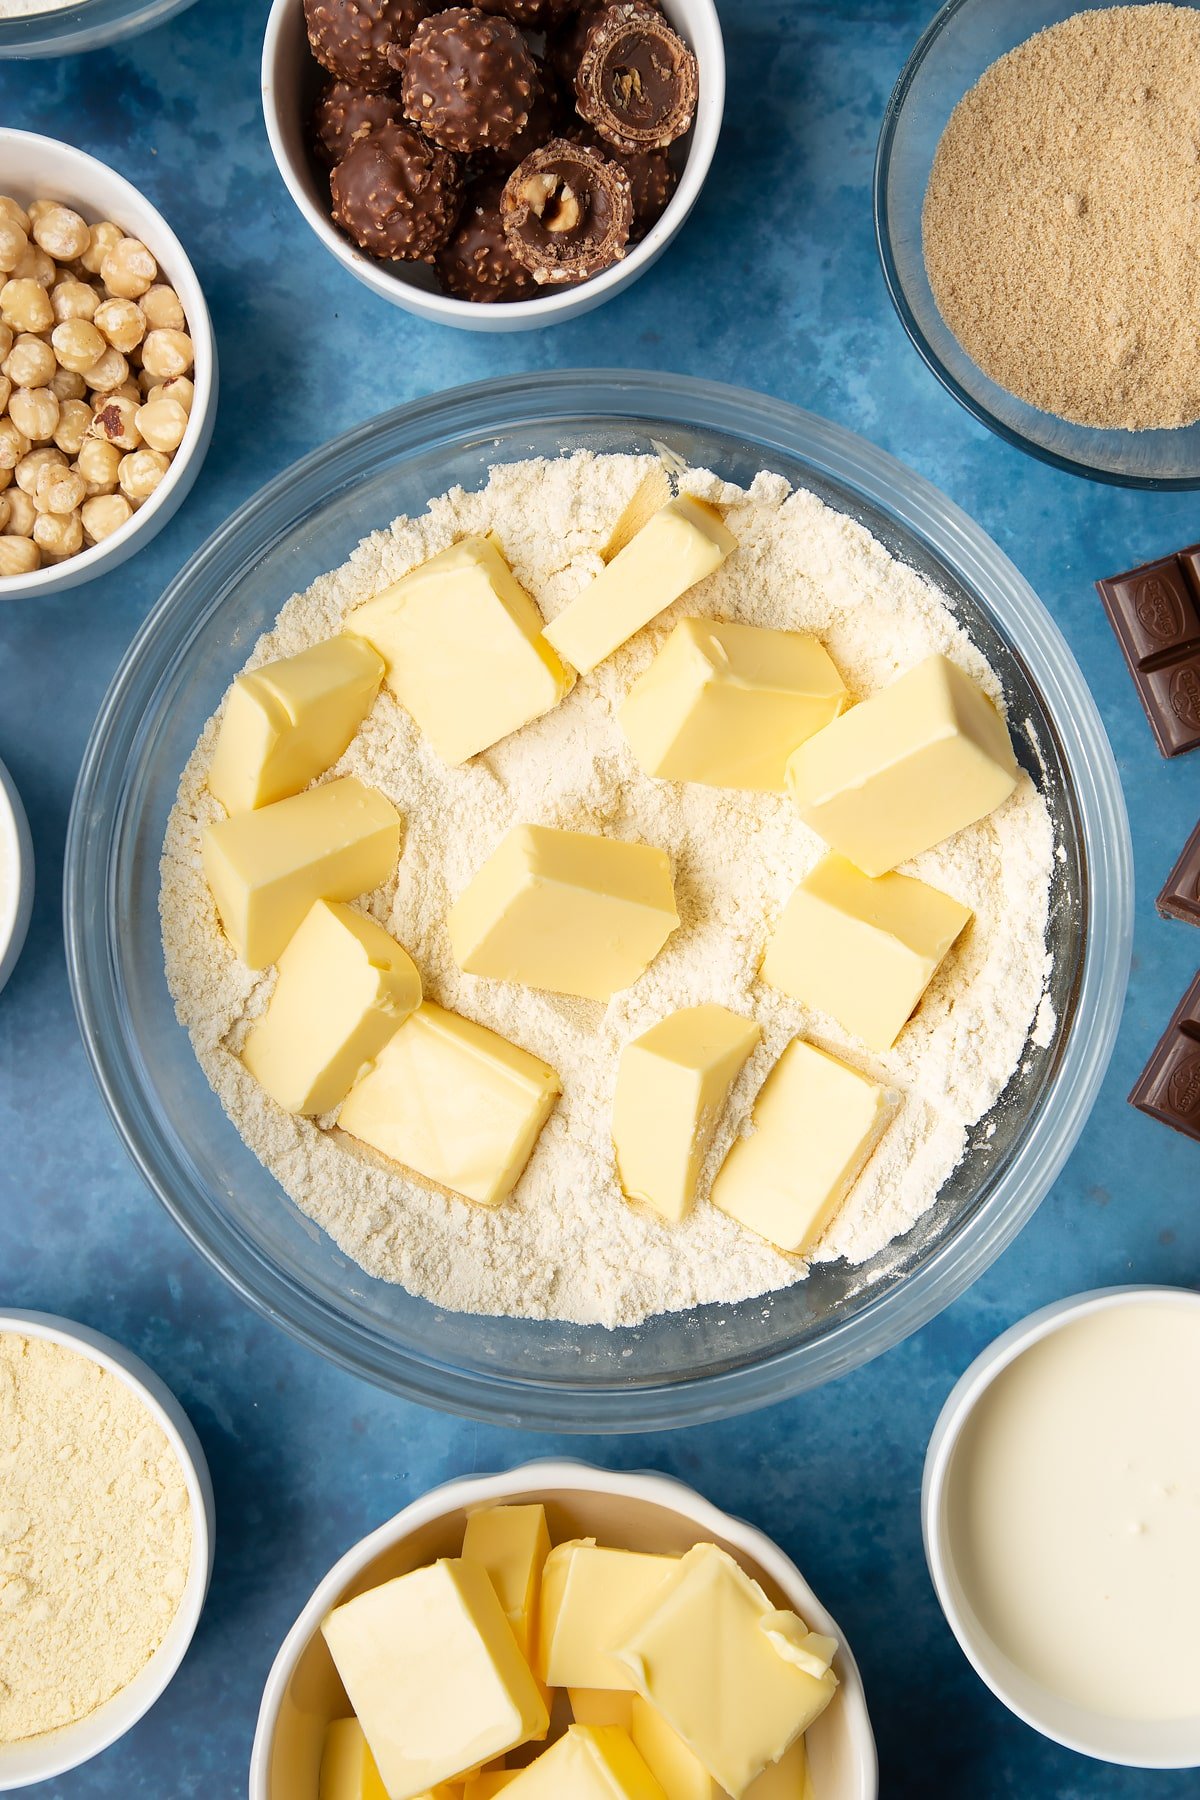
x,y
343,114
477,263
653,177
565,42
397,195
530,15
567,212
548,115
469,80
637,80
351,38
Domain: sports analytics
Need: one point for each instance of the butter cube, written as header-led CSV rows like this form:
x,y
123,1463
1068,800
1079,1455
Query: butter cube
x,y
463,647
677,547
601,1706
344,986
672,1085
455,1103
862,948
348,1769
787,1779
565,910
726,704
701,1656
488,1783
589,1594
288,721
678,1770
512,1544
916,762
434,1675
815,1123
590,1762
267,867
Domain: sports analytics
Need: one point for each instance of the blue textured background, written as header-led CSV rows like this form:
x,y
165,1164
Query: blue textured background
x,y
774,284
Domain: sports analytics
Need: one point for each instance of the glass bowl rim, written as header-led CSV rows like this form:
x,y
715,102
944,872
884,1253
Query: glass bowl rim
x,y
73,30
897,101
494,408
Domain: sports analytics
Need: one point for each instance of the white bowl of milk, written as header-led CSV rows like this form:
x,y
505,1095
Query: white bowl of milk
x,y
16,875
1061,1512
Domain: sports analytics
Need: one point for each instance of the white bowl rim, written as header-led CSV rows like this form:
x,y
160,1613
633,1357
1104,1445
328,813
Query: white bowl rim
x,y
16,847
81,568
546,309
564,1474
71,1745
959,1406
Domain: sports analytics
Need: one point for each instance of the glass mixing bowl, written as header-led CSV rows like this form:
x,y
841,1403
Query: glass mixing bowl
x,y
87,25
962,41
676,1368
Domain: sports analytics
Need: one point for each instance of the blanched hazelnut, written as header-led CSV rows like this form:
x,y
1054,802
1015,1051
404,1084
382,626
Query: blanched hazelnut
x,y
58,535
122,322
129,390
10,210
99,463
74,418
21,512
13,445
162,423
104,237
167,353
163,309
107,373
128,269
73,299
12,243
78,344
59,231
19,556
176,387
6,387
35,265
25,305
32,464
30,362
34,411
103,515
59,490
7,339
66,384
115,421
140,473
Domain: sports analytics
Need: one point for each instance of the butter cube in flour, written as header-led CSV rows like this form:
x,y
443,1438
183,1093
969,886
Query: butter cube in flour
x,y
590,1762
589,1594
678,546
344,986
288,721
464,650
726,704
815,1123
267,867
915,763
512,1544
672,1085
713,1657
455,1103
863,948
565,910
434,1675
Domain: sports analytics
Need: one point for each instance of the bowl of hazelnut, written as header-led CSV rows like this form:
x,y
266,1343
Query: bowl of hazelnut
x,y
496,166
108,378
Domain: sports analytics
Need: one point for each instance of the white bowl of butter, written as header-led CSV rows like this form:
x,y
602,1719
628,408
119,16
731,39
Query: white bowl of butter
x,y
108,1471
1061,1510
16,875
639,1512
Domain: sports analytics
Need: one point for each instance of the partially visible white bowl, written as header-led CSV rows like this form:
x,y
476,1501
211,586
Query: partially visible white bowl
x,y
16,875
651,1512
291,79
42,168
42,1758
1142,1744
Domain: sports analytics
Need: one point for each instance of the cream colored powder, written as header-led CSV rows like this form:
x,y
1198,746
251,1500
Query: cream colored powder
x,y
95,1536
567,1245
1060,222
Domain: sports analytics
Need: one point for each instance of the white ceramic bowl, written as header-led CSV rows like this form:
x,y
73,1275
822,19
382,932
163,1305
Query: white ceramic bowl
x,y
43,1758
652,1512
291,79
16,875
42,168
1171,1744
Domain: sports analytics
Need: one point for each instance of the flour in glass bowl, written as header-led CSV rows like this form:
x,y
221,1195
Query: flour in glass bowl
x,y
567,1245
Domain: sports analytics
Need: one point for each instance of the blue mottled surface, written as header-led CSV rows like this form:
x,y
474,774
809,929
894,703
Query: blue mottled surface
x,y
774,284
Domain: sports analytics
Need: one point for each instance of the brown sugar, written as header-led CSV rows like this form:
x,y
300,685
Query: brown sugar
x,y
1062,219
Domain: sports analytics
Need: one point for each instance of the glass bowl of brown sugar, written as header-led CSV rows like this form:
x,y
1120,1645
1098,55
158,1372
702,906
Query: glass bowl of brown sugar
x,y
1033,183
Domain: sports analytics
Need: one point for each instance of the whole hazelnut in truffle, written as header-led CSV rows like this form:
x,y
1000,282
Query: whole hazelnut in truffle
x,y
567,212
469,80
477,263
397,195
343,114
351,38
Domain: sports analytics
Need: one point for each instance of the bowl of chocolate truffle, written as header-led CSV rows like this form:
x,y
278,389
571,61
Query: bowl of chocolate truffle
x,y
497,166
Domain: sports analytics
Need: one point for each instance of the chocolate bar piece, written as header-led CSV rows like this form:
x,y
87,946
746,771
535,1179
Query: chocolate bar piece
x,y
1180,898
1155,612
1169,1085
